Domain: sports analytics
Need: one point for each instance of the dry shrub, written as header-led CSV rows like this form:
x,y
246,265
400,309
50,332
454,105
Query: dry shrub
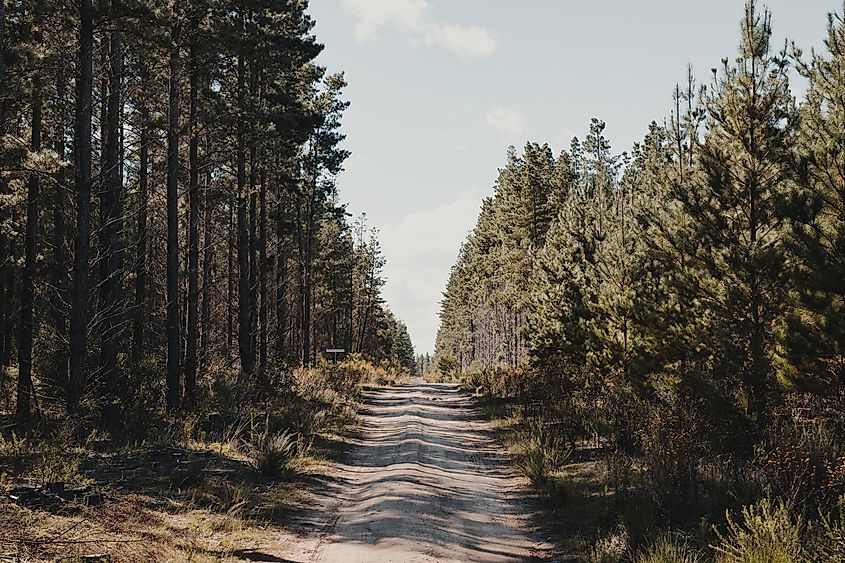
x,y
271,453
804,464
543,452
612,548
767,533
223,496
43,459
829,544
669,549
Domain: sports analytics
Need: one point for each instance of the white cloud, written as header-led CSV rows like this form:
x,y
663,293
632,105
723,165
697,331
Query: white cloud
x,y
412,18
507,120
374,14
467,42
421,249
564,139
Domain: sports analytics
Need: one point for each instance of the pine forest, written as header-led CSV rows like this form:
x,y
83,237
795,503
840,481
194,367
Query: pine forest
x,y
640,355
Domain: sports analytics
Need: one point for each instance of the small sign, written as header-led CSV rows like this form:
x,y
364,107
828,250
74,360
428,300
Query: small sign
x,y
334,352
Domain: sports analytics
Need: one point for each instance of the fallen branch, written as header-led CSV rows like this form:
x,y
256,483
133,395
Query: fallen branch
x,y
67,542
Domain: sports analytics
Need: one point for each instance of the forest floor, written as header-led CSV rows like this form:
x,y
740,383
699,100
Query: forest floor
x,y
422,478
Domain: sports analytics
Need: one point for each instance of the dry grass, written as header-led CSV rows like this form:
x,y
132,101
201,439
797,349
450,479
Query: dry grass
x,y
217,486
148,518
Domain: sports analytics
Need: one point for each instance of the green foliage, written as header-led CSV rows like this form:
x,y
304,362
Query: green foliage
x,y
767,533
669,549
447,365
542,452
612,548
813,352
45,459
271,453
679,308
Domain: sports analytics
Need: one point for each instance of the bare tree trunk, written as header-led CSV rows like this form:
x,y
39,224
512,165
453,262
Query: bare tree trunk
x,y
193,237
141,259
262,260
244,290
82,156
60,280
173,324
26,328
206,265
281,281
253,211
5,245
230,278
111,230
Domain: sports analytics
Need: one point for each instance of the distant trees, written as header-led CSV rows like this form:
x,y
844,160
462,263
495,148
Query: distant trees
x,y
207,187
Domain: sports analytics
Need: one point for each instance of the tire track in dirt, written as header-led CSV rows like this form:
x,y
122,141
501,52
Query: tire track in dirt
x,y
425,481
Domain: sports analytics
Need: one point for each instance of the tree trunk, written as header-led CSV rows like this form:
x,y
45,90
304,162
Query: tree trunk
x,y
193,237
141,258
262,261
60,280
173,324
26,326
5,247
230,278
205,322
244,290
281,281
111,231
253,212
82,156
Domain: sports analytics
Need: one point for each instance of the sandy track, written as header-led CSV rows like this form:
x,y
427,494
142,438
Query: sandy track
x,y
425,481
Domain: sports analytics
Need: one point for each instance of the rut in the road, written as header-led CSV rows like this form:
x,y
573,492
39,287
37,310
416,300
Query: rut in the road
x,y
426,481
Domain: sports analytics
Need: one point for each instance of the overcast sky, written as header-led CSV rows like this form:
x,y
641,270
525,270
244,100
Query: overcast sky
x,y
440,88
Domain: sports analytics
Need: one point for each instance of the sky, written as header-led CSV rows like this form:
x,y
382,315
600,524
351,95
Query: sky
x,y
440,88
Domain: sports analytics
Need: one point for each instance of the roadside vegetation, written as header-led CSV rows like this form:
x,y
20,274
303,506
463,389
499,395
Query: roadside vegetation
x,y
660,332
201,487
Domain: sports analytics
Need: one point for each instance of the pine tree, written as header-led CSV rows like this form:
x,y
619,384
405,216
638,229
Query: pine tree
x,y
814,333
735,210
82,156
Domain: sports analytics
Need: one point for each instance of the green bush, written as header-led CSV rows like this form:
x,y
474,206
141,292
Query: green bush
x,y
271,453
43,459
829,543
543,452
669,549
766,534
612,548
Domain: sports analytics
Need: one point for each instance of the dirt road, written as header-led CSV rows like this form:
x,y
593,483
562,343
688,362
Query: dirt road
x,y
424,482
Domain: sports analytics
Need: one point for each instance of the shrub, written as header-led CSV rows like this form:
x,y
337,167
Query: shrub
x,y
672,445
767,534
610,549
669,549
45,460
543,452
619,470
830,541
271,453
804,464
234,499
447,365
